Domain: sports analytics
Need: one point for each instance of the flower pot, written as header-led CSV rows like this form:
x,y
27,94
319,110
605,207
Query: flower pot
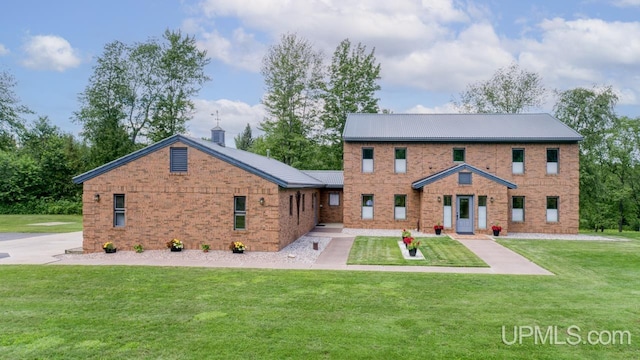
x,y
496,232
438,231
236,251
175,249
413,252
110,251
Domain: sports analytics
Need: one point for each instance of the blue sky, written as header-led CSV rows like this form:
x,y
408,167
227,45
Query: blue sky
x,y
429,50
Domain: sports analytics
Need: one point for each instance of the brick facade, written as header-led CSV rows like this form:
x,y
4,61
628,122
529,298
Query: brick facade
x,y
425,159
196,207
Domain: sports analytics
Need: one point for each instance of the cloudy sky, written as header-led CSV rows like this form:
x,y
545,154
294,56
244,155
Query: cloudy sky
x,y
429,50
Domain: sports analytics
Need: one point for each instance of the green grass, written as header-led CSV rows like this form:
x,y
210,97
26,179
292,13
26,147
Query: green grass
x,y
21,223
437,251
121,312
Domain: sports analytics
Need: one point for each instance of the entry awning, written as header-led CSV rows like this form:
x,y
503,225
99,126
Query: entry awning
x,y
419,184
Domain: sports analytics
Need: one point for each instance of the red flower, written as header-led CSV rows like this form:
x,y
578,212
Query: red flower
x,y
407,240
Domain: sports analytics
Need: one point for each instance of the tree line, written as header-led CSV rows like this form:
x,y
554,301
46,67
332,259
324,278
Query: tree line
x,y
143,92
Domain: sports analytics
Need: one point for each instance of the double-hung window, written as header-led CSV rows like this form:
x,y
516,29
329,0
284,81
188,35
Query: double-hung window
x,y
239,212
400,207
118,210
552,161
367,160
552,209
367,206
401,160
517,158
517,209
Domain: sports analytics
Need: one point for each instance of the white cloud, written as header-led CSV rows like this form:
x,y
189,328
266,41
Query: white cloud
x,y
50,52
240,50
448,108
626,3
234,117
3,50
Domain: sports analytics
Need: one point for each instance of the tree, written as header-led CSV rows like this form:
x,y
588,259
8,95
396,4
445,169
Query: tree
x,y
510,90
181,71
292,72
351,88
140,92
244,140
591,113
11,121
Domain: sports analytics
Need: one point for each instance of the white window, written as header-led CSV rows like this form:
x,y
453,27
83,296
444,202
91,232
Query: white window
x,y
367,206
401,160
517,157
334,199
517,209
552,209
118,210
446,216
400,207
552,161
367,160
482,212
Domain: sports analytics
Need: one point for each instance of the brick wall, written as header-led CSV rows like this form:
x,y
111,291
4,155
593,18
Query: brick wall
x,y
295,221
196,207
331,213
426,159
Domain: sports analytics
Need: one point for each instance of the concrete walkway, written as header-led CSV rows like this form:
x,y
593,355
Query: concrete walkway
x,y
42,249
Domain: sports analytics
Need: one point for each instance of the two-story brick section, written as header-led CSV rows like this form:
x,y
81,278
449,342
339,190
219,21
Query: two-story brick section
x,y
464,171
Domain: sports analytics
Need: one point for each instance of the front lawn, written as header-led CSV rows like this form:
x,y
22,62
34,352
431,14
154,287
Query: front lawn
x,y
437,251
24,223
121,312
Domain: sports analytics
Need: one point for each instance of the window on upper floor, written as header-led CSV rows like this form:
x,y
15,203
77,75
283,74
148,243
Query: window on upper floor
x,y
401,160
464,178
517,161
458,154
552,161
178,159
400,207
367,160
517,209
552,209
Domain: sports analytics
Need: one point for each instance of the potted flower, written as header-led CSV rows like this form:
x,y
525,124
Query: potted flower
x,y
205,247
438,228
413,247
405,235
109,248
407,241
175,245
496,229
237,247
138,248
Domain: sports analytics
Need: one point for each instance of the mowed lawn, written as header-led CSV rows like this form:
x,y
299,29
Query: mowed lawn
x,y
25,223
437,251
120,312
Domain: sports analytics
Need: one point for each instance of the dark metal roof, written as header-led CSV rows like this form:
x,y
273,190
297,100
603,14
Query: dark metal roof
x,y
458,128
332,178
270,169
461,167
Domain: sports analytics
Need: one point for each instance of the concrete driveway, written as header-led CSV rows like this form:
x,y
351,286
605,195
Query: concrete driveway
x,y
36,248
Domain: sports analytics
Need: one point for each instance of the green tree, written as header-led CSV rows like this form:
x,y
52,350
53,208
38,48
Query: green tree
x,y
351,88
11,121
181,70
510,90
244,140
591,113
292,73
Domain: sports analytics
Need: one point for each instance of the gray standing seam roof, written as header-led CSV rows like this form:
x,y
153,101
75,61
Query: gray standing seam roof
x,y
332,178
270,169
456,169
457,128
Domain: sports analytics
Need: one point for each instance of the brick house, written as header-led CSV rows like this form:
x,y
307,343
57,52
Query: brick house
x,y
201,192
463,171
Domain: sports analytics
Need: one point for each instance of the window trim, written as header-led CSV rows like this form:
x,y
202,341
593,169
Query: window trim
x,y
464,155
557,209
338,196
175,152
513,198
557,162
362,202
517,162
399,196
396,159
237,213
117,210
